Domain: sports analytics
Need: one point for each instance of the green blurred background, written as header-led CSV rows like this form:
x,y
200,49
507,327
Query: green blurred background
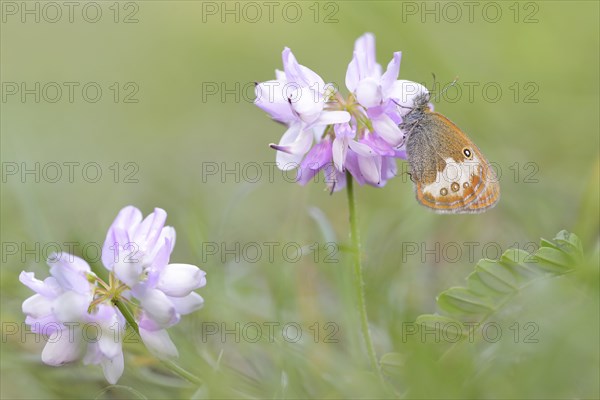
x,y
542,132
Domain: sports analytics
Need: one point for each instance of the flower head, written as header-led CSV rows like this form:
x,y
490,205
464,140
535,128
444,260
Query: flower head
x,y
297,98
60,309
359,135
136,253
384,98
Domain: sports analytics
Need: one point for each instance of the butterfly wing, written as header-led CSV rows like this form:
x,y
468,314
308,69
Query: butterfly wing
x,y
450,173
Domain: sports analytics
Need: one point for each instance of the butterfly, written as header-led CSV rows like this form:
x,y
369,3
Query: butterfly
x,y
449,172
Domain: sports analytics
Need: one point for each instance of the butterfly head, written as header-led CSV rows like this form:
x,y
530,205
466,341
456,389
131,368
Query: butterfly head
x,y
417,111
421,101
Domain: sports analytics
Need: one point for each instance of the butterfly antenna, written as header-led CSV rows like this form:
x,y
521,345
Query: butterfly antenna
x,y
433,85
398,104
448,86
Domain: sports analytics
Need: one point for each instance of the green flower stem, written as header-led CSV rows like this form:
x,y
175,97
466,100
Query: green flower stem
x,y
173,367
358,278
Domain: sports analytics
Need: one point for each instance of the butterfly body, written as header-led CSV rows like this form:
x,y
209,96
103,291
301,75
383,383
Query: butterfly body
x,y
449,172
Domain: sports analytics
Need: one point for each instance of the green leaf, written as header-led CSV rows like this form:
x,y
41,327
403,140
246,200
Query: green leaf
x,y
547,243
553,260
493,283
523,264
460,300
489,274
570,243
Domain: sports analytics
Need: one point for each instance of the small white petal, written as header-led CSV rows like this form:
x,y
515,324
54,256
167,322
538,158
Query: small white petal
x,y
370,167
307,103
147,233
369,93
69,261
109,343
361,149
312,79
28,279
158,307
180,279
187,304
299,74
339,150
391,74
387,129
159,343
113,368
364,48
70,307
294,144
62,347
118,234
128,217
332,117
288,161
291,134
269,92
37,306
167,236
352,74
70,272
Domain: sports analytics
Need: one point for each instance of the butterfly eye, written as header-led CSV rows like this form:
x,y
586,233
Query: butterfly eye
x,y
467,153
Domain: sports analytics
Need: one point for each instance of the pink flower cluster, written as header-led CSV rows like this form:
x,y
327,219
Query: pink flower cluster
x,y
326,132
136,253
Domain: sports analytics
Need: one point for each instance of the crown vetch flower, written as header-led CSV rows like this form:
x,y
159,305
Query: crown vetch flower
x,y
297,98
136,252
60,309
360,134
132,245
385,98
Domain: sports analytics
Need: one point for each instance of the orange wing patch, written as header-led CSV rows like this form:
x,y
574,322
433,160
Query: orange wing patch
x,y
476,190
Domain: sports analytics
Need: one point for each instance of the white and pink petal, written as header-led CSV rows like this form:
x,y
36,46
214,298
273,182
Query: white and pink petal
x,y
49,287
71,307
37,306
294,144
369,93
159,343
113,368
62,347
188,304
178,280
391,74
70,272
385,127
158,307
147,233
